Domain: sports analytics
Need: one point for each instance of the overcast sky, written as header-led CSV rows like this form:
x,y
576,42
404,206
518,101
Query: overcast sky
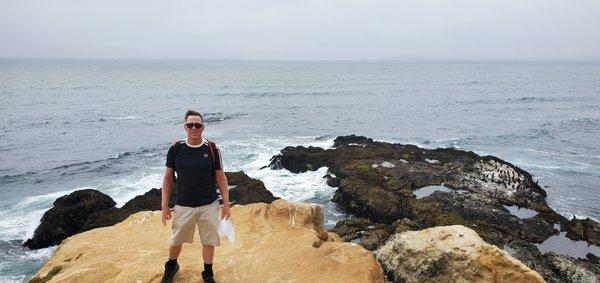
x,y
301,29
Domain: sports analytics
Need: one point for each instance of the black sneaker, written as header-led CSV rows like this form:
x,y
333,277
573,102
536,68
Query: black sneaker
x,y
169,273
208,278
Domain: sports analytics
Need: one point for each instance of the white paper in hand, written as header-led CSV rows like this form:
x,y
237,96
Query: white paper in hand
x,y
226,228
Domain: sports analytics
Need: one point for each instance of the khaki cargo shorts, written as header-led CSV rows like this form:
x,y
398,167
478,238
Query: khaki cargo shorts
x,y
185,220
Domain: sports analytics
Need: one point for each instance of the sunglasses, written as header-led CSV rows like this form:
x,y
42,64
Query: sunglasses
x,y
196,125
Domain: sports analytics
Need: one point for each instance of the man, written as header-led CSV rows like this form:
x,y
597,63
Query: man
x,y
198,165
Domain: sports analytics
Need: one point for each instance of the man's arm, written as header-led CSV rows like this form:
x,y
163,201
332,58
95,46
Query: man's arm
x,y
224,189
167,186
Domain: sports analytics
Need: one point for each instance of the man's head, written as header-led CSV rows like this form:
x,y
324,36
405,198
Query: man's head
x,y
194,125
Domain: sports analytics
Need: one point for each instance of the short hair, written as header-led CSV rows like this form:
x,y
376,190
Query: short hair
x,y
192,113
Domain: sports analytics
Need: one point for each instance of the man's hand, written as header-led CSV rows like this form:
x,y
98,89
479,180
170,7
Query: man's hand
x,y
225,212
166,215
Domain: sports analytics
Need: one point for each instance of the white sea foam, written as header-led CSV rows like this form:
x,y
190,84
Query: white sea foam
x,y
126,118
127,187
253,154
40,254
20,220
295,187
12,279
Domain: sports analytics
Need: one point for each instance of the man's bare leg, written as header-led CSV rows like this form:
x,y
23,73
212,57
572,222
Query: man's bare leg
x,y
208,253
174,251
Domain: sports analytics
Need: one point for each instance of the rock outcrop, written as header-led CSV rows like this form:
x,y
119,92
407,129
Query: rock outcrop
x,y
449,254
246,190
84,210
68,216
378,183
275,242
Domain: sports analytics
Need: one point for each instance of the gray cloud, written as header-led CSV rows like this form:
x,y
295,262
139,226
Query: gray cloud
x,y
312,29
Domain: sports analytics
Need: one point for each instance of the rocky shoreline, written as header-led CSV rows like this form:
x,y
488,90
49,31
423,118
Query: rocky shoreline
x,y
390,190
377,181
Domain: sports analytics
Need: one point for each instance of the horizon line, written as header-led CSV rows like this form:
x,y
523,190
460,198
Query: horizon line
x,y
419,58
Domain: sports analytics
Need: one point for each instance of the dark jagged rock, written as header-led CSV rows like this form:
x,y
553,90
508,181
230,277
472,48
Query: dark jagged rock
x,y
377,204
584,229
554,267
529,255
68,215
148,201
247,190
573,270
376,181
489,219
104,218
89,209
300,159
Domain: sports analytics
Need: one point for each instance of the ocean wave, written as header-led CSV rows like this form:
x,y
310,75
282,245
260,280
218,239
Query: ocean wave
x,y
579,124
288,93
147,152
6,179
454,142
22,217
512,100
532,99
104,165
86,87
526,135
211,117
126,118
125,188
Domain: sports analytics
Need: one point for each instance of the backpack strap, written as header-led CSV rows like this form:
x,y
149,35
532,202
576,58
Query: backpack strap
x,y
212,150
176,147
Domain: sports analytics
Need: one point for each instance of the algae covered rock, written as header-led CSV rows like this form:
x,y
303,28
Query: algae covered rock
x,y
387,183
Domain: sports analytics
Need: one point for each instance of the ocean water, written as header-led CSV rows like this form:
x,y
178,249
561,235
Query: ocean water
x,y
74,124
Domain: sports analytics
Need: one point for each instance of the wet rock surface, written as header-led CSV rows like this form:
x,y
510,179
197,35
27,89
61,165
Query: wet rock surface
x,y
84,210
376,183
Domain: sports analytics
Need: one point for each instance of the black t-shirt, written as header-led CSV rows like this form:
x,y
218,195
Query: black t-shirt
x,y
196,184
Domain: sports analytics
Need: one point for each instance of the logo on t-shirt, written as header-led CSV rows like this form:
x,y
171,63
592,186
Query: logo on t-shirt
x,y
206,155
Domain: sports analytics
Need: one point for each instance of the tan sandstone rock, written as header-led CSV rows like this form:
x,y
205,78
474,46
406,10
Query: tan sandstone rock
x,y
450,254
278,242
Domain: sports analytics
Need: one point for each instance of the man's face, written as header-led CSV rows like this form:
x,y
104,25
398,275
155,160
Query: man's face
x,y
195,132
